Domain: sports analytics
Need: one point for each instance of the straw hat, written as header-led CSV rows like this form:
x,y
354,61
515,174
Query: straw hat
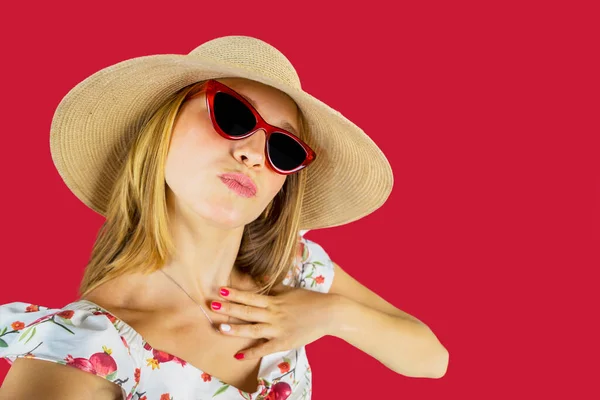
x,y
95,122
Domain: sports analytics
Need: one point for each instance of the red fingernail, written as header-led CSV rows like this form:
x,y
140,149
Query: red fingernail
x,y
224,292
239,356
216,305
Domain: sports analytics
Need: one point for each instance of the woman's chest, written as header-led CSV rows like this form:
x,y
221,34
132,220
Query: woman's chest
x,y
209,351
184,335
208,373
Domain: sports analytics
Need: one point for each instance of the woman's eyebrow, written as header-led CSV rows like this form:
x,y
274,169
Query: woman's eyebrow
x,y
283,124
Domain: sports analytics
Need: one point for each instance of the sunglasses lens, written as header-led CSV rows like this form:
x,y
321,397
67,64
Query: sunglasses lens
x,y
233,117
285,152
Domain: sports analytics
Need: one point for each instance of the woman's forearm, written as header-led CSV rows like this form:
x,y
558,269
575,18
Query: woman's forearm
x,y
407,347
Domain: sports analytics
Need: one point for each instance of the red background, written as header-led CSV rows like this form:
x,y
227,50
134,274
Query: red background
x,y
487,113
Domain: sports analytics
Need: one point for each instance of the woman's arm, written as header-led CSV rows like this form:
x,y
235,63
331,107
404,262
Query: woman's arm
x,y
407,347
397,339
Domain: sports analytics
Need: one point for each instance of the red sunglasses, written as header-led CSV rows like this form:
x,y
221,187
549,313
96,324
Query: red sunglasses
x,y
234,118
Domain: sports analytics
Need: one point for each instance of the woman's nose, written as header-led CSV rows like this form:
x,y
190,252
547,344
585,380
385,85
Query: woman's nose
x,y
253,148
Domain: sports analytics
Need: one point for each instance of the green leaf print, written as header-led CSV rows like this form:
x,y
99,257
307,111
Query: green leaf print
x,y
3,330
62,326
66,321
245,395
111,377
318,262
32,334
3,343
221,390
265,382
25,333
304,394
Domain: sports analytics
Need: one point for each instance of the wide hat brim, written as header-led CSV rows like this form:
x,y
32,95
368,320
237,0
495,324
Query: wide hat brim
x,y
94,124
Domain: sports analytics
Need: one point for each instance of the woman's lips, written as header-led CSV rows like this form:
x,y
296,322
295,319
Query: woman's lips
x,y
240,184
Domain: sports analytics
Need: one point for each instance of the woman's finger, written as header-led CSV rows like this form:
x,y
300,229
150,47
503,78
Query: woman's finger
x,y
252,331
245,297
260,350
242,311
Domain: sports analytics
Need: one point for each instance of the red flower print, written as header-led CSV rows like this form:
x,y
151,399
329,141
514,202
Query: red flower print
x,y
143,398
165,396
103,362
179,361
32,308
320,279
81,363
136,375
147,346
206,377
109,316
17,325
263,393
162,356
284,367
125,342
67,314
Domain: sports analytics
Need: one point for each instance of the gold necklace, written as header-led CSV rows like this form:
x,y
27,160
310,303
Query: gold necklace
x,y
202,308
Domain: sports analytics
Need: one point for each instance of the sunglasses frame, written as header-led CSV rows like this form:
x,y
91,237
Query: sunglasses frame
x,y
213,87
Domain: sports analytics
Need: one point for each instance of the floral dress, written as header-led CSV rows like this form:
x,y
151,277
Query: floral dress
x,y
86,336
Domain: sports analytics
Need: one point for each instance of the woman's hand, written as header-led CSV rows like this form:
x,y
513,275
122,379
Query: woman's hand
x,y
291,318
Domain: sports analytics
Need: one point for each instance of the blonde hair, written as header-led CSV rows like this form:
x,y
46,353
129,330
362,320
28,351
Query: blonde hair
x,y
135,236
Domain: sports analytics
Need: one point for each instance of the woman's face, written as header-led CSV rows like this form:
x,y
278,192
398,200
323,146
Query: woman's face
x,y
198,155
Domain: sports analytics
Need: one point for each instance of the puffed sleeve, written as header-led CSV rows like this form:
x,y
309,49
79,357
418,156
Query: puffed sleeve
x,y
80,338
313,269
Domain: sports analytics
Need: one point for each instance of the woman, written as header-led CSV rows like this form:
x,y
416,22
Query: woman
x,y
209,168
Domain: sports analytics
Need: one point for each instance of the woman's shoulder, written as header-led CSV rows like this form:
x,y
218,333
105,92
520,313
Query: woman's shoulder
x,y
313,269
80,334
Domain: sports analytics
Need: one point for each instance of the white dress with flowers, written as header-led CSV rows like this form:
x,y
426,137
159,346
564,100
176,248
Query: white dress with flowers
x,y
85,336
